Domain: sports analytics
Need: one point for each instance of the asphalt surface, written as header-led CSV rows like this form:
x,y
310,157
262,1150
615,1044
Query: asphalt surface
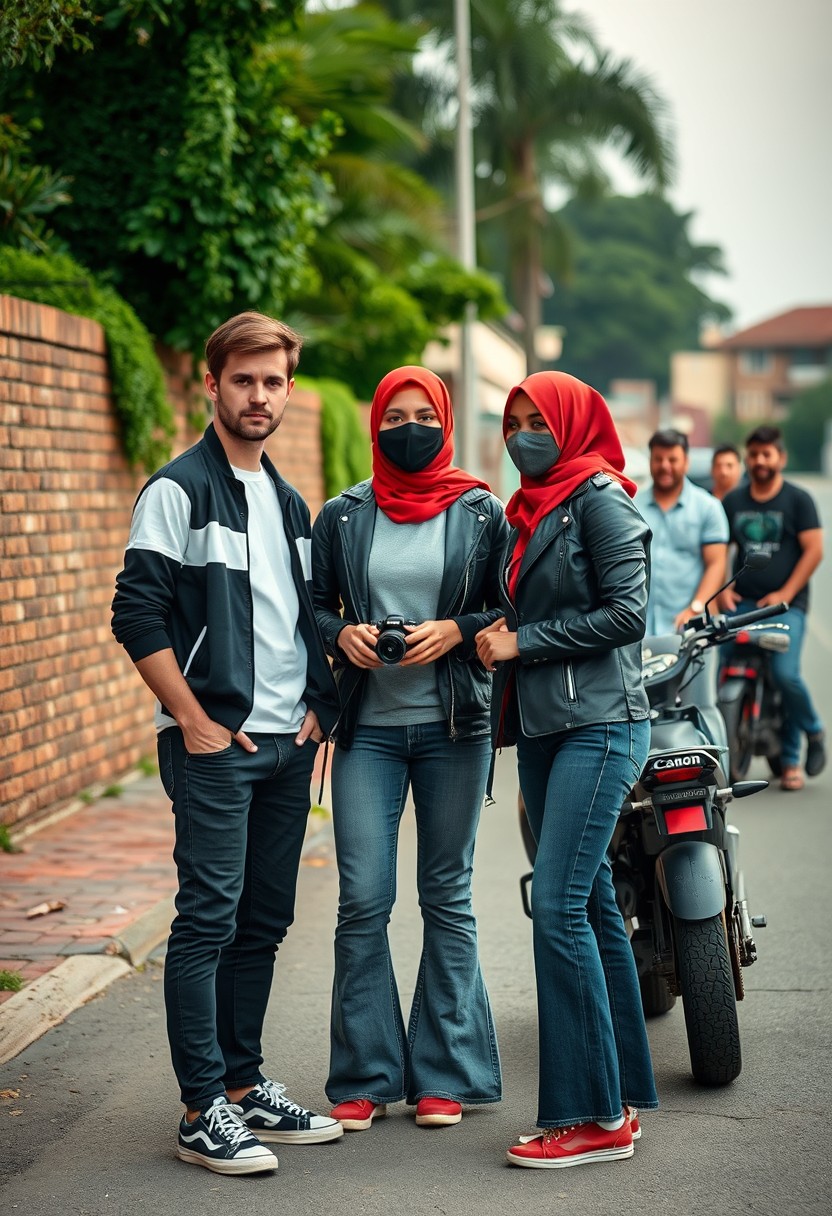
x,y
91,1128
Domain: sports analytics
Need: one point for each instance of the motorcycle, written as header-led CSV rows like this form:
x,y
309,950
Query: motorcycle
x,y
750,701
674,856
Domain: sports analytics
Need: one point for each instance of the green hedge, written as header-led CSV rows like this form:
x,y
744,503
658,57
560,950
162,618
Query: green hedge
x,y
139,390
345,444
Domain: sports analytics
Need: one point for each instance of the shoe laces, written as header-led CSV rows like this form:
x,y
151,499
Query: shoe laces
x,y
223,1119
277,1094
555,1133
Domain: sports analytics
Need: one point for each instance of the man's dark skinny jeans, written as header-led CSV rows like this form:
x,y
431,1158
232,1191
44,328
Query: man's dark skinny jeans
x,y
240,822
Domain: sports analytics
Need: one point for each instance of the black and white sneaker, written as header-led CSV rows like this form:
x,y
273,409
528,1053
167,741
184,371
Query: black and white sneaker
x,y
270,1114
219,1140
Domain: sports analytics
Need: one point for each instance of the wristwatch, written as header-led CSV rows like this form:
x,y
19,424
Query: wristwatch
x,y
697,606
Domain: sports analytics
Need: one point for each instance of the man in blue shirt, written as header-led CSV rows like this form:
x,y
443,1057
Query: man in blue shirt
x,y
690,537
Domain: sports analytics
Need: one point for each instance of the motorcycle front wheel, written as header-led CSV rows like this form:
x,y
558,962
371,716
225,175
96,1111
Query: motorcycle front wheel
x,y
709,999
739,725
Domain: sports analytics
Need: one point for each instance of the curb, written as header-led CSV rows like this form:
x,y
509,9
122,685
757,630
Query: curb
x,y
47,1001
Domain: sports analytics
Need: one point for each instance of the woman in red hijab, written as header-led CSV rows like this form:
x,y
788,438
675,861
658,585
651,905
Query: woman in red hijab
x,y
406,571
575,705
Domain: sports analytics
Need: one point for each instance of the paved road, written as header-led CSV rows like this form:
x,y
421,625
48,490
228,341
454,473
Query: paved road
x,y
98,1110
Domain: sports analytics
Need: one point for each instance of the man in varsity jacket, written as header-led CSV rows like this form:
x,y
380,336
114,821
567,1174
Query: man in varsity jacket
x,y
213,607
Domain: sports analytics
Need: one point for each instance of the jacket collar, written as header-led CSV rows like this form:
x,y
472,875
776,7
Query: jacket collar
x,y
217,454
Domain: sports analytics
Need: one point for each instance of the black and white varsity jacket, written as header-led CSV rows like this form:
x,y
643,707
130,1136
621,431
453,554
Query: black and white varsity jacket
x,y
199,604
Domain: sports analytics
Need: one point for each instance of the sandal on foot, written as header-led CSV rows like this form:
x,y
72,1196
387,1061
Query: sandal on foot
x,y
792,778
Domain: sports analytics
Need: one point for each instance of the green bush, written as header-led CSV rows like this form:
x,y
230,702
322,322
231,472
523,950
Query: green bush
x,y
345,444
139,390
805,429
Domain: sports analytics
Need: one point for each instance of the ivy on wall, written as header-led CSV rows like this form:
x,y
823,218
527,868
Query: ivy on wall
x,y
345,444
139,391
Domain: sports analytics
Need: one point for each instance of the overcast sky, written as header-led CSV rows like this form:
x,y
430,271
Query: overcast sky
x,y
749,83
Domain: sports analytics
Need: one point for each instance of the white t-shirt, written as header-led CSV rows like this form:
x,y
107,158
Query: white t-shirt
x,y
280,658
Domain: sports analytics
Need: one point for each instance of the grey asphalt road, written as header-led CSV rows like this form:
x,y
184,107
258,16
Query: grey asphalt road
x,y
98,1109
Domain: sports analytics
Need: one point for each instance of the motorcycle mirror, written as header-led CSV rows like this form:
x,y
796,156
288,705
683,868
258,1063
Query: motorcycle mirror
x,y
753,561
744,789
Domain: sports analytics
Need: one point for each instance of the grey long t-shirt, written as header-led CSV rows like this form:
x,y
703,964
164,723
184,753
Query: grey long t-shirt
x,y
405,571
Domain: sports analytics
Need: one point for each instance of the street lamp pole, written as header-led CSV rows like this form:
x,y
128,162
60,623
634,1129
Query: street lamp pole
x,y
467,405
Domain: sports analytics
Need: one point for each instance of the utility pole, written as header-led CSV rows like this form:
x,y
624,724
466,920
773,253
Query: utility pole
x,y
467,403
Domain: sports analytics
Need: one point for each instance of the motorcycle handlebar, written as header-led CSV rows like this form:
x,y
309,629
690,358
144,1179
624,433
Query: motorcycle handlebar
x,y
759,614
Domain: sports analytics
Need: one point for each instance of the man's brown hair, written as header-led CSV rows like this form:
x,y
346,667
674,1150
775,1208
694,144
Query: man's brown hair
x,y
250,333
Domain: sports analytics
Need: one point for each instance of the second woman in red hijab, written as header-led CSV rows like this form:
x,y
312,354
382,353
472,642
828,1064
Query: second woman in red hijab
x,y
423,542
575,706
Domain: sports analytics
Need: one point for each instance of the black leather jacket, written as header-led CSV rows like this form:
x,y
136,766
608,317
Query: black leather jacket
x,y
476,533
580,612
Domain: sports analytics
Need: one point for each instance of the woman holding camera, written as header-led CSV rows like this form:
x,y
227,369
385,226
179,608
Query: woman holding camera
x,y
422,542
576,707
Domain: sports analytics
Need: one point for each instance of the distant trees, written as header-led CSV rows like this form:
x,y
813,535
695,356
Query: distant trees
x,y
808,426
632,297
547,98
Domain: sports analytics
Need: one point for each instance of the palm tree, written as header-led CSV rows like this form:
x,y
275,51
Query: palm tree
x,y
546,100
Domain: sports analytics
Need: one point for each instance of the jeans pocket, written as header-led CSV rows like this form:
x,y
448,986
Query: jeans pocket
x,y
164,751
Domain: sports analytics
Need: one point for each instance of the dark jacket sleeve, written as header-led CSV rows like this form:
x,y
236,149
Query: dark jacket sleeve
x,y
472,622
144,593
616,538
326,591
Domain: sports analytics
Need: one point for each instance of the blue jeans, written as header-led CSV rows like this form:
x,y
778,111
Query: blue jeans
x,y
799,714
240,822
594,1055
450,1050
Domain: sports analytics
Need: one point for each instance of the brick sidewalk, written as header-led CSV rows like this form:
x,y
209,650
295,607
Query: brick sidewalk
x,y
109,863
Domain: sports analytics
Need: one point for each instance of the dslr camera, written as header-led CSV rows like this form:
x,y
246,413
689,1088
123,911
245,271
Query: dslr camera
x,y
391,643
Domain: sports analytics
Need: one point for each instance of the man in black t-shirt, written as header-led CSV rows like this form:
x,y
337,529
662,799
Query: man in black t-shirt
x,y
771,515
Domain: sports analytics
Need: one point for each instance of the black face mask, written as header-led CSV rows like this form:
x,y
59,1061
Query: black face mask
x,y
411,446
533,453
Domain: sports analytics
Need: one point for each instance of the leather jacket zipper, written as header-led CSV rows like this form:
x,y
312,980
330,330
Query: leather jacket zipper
x,y
569,679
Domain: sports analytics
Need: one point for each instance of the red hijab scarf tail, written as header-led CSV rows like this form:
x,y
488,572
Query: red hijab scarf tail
x,y
582,427
411,498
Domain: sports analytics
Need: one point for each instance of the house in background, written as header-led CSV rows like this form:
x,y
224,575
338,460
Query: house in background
x,y
770,363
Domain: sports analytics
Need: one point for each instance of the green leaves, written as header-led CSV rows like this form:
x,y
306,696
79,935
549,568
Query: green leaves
x,y
139,391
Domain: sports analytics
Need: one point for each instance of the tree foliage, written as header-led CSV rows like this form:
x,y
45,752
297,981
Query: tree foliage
x,y
32,30
632,298
546,99
139,390
384,280
345,442
194,190
808,426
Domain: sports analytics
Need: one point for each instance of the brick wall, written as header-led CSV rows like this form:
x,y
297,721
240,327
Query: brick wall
x,y
73,711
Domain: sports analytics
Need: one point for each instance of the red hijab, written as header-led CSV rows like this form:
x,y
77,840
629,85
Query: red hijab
x,y
582,427
411,498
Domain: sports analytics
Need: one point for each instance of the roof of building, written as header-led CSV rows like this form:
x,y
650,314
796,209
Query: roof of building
x,y
797,327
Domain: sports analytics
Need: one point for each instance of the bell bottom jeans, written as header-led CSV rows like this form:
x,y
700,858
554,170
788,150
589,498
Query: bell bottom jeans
x,y
240,822
450,1050
799,714
594,1055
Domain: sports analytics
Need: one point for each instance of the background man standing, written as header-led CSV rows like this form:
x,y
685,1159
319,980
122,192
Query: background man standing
x,y
690,537
726,470
774,516
213,606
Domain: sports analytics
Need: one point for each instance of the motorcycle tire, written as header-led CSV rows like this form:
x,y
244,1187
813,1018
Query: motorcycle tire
x,y
739,717
656,997
709,1000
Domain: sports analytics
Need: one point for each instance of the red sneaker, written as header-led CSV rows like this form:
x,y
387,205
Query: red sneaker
x,y
357,1116
631,1113
556,1147
437,1112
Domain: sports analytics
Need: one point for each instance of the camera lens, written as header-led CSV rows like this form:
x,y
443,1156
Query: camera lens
x,y
391,646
